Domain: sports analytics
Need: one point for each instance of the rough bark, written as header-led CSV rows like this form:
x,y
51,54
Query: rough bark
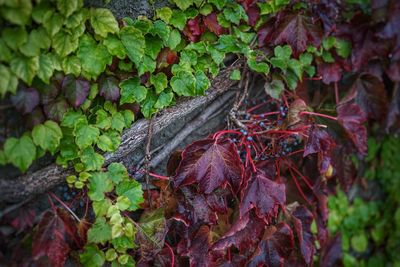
x,y
34,183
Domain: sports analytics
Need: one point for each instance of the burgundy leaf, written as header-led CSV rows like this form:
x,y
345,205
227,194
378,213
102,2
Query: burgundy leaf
x,y
34,118
194,29
344,167
318,141
25,100
302,219
48,92
212,24
212,164
393,118
369,93
330,72
244,234
296,29
165,258
24,219
277,246
198,249
76,90
165,58
394,68
253,13
332,253
193,209
55,110
263,194
109,88
351,117
52,238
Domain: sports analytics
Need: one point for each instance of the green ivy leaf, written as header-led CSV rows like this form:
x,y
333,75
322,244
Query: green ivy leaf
x,y
37,39
117,172
202,82
5,54
16,12
329,42
296,67
103,21
100,232
291,80
235,75
164,100
343,48
46,67
67,7
92,256
161,29
206,9
182,4
52,22
132,91
106,144
115,46
216,55
14,37
85,135
261,67
183,83
118,122
47,136
25,68
327,57
160,81
148,65
71,65
306,59
153,46
94,57
147,106
20,152
218,3
164,13
274,88
93,161
71,118
8,81
283,52
76,19
134,43
178,19
129,117
143,24
132,190
64,43
103,119
235,14
39,10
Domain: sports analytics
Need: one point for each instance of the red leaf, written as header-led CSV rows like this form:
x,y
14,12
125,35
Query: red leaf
x,y
212,164
25,100
194,29
76,90
193,209
275,248
351,117
332,253
25,219
302,219
212,24
393,118
330,72
198,250
253,13
297,30
263,194
53,237
244,234
369,93
166,57
318,141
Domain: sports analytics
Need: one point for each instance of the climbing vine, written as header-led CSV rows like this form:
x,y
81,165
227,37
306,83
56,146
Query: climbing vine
x,y
84,77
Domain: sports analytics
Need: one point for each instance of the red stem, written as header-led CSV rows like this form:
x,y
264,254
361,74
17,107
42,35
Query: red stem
x,y
318,114
161,177
218,134
336,93
299,187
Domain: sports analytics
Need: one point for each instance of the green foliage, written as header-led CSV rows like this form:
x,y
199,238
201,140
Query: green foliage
x,y
362,223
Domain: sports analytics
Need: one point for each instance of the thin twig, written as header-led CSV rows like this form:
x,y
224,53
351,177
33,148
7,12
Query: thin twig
x,y
147,158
